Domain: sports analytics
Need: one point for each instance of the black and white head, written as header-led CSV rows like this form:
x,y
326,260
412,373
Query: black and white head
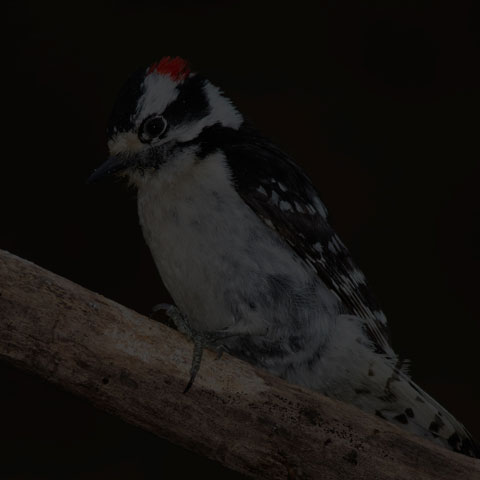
x,y
161,111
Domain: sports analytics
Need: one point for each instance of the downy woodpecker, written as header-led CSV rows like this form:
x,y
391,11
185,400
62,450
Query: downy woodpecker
x,y
242,243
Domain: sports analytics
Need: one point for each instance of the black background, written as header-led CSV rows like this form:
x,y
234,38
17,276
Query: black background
x,y
378,101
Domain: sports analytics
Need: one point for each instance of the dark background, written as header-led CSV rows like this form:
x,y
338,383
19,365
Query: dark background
x,y
378,101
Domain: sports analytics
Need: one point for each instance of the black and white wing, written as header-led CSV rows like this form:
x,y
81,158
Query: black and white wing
x,y
280,193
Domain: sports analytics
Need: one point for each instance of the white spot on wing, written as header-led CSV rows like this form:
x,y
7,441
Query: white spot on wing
x,y
322,210
275,198
261,190
332,247
357,276
268,222
347,283
285,206
380,316
299,207
335,244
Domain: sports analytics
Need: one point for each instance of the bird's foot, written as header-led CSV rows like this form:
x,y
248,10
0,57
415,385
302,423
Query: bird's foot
x,y
200,341
211,339
179,321
175,318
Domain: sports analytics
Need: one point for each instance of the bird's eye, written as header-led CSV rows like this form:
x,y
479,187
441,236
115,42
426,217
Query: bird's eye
x,y
152,127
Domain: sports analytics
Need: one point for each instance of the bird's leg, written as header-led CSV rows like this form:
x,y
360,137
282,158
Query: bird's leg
x,y
176,318
203,339
200,339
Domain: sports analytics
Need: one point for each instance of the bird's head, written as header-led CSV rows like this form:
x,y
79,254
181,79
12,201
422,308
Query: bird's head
x,y
160,111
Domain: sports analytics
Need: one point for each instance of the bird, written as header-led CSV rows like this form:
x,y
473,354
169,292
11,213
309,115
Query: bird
x,y
243,244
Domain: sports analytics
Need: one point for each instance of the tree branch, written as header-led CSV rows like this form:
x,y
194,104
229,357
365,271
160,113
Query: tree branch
x,y
240,416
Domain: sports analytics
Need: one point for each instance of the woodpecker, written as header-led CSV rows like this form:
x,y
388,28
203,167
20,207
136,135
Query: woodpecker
x,y
242,242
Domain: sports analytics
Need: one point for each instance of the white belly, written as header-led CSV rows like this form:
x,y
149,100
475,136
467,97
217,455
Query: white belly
x,y
213,253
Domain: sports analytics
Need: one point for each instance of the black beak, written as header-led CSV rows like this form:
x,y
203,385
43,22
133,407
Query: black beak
x,y
112,165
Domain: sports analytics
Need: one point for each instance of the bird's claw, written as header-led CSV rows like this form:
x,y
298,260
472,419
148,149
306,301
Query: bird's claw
x,y
177,318
200,339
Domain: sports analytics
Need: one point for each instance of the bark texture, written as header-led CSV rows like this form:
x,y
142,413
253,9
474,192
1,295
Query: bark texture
x,y
240,416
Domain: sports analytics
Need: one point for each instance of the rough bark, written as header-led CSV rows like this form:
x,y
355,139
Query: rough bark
x,y
240,416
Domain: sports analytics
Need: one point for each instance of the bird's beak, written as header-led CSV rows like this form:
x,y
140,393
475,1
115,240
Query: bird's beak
x,y
114,164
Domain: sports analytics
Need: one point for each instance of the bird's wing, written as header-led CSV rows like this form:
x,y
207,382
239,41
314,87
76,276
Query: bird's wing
x,y
280,193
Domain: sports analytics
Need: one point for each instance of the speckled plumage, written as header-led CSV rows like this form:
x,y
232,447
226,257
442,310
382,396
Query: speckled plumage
x,y
242,242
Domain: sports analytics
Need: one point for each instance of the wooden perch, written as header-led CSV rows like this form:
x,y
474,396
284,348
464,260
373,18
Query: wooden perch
x,y
240,416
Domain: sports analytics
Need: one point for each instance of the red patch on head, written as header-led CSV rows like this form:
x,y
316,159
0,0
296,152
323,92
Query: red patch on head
x,y
176,68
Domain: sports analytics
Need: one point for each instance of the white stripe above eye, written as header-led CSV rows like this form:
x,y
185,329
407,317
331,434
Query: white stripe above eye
x,y
160,91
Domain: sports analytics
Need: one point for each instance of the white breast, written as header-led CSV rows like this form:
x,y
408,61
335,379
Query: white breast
x,y
209,246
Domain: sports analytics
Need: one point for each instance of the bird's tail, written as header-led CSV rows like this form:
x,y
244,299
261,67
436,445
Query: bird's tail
x,y
416,411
